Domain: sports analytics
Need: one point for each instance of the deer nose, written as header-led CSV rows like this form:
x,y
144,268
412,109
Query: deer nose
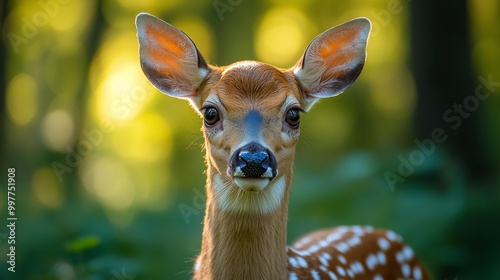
x,y
253,161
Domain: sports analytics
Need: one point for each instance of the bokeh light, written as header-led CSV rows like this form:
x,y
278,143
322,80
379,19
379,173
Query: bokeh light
x,y
47,189
22,99
119,94
58,130
147,138
282,36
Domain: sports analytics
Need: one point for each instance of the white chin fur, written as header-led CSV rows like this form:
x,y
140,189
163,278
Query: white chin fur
x,y
251,184
237,197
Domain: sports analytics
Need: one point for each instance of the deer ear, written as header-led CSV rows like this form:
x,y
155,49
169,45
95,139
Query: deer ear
x,y
333,60
169,59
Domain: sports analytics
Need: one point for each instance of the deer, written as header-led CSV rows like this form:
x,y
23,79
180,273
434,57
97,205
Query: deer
x,y
251,122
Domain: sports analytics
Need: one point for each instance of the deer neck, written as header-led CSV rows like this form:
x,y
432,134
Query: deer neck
x,y
242,245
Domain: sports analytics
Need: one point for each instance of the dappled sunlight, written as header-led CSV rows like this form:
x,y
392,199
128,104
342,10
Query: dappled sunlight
x,y
122,178
485,51
109,180
72,17
47,189
119,94
58,130
119,186
282,36
393,91
147,138
484,12
387,47
22,99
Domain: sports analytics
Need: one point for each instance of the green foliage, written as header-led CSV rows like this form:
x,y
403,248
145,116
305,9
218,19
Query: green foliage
x,y
82,244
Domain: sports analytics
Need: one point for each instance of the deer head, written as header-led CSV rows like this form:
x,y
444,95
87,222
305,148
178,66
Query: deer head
x,y
251,110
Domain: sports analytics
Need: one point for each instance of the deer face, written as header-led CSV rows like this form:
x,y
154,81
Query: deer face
x,y
251,124
251,110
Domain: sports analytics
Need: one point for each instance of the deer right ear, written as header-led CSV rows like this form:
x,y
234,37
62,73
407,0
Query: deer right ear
x,y
169,59
333,60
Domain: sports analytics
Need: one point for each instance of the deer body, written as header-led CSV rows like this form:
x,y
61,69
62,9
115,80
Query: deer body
x,y
251,113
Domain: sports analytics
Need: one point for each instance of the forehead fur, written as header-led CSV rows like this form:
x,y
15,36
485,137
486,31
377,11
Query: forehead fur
x,y
250,84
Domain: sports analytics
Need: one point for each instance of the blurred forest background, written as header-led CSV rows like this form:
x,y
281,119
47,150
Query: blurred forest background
x,y
109,172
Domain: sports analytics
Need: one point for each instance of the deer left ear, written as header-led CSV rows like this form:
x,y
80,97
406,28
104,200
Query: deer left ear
x,y
333,60
169,59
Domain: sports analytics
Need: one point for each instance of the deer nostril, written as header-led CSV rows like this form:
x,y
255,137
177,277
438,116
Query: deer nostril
x,y
253,165
254,158
252,161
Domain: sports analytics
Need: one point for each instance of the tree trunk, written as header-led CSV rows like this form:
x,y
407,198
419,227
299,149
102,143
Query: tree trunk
x,y
441,62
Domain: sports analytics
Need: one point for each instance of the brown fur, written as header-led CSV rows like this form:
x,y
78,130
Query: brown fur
x,y
241,245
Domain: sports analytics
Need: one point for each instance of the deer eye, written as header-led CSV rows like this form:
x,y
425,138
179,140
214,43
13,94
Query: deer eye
x,y
211,116
292,117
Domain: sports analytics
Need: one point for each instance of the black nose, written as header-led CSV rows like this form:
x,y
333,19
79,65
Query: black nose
x,y
252,161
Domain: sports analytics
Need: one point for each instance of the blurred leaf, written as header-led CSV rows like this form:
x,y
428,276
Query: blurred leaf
x,y
82,244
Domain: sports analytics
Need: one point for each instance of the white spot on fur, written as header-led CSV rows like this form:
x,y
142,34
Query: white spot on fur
x,y
333,237
400,257
368,229
293,276
383,243
417,273
357,267
326,256
315,275
404,255
341,271
354,241
378,277
323,261
332,275
342,247
393,236
293,262
323,243
342,259
357,230
381,257
371,261
408,253
302,262
405,269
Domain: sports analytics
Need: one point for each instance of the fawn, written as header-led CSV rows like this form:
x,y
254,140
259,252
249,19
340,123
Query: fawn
x,y
251,116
